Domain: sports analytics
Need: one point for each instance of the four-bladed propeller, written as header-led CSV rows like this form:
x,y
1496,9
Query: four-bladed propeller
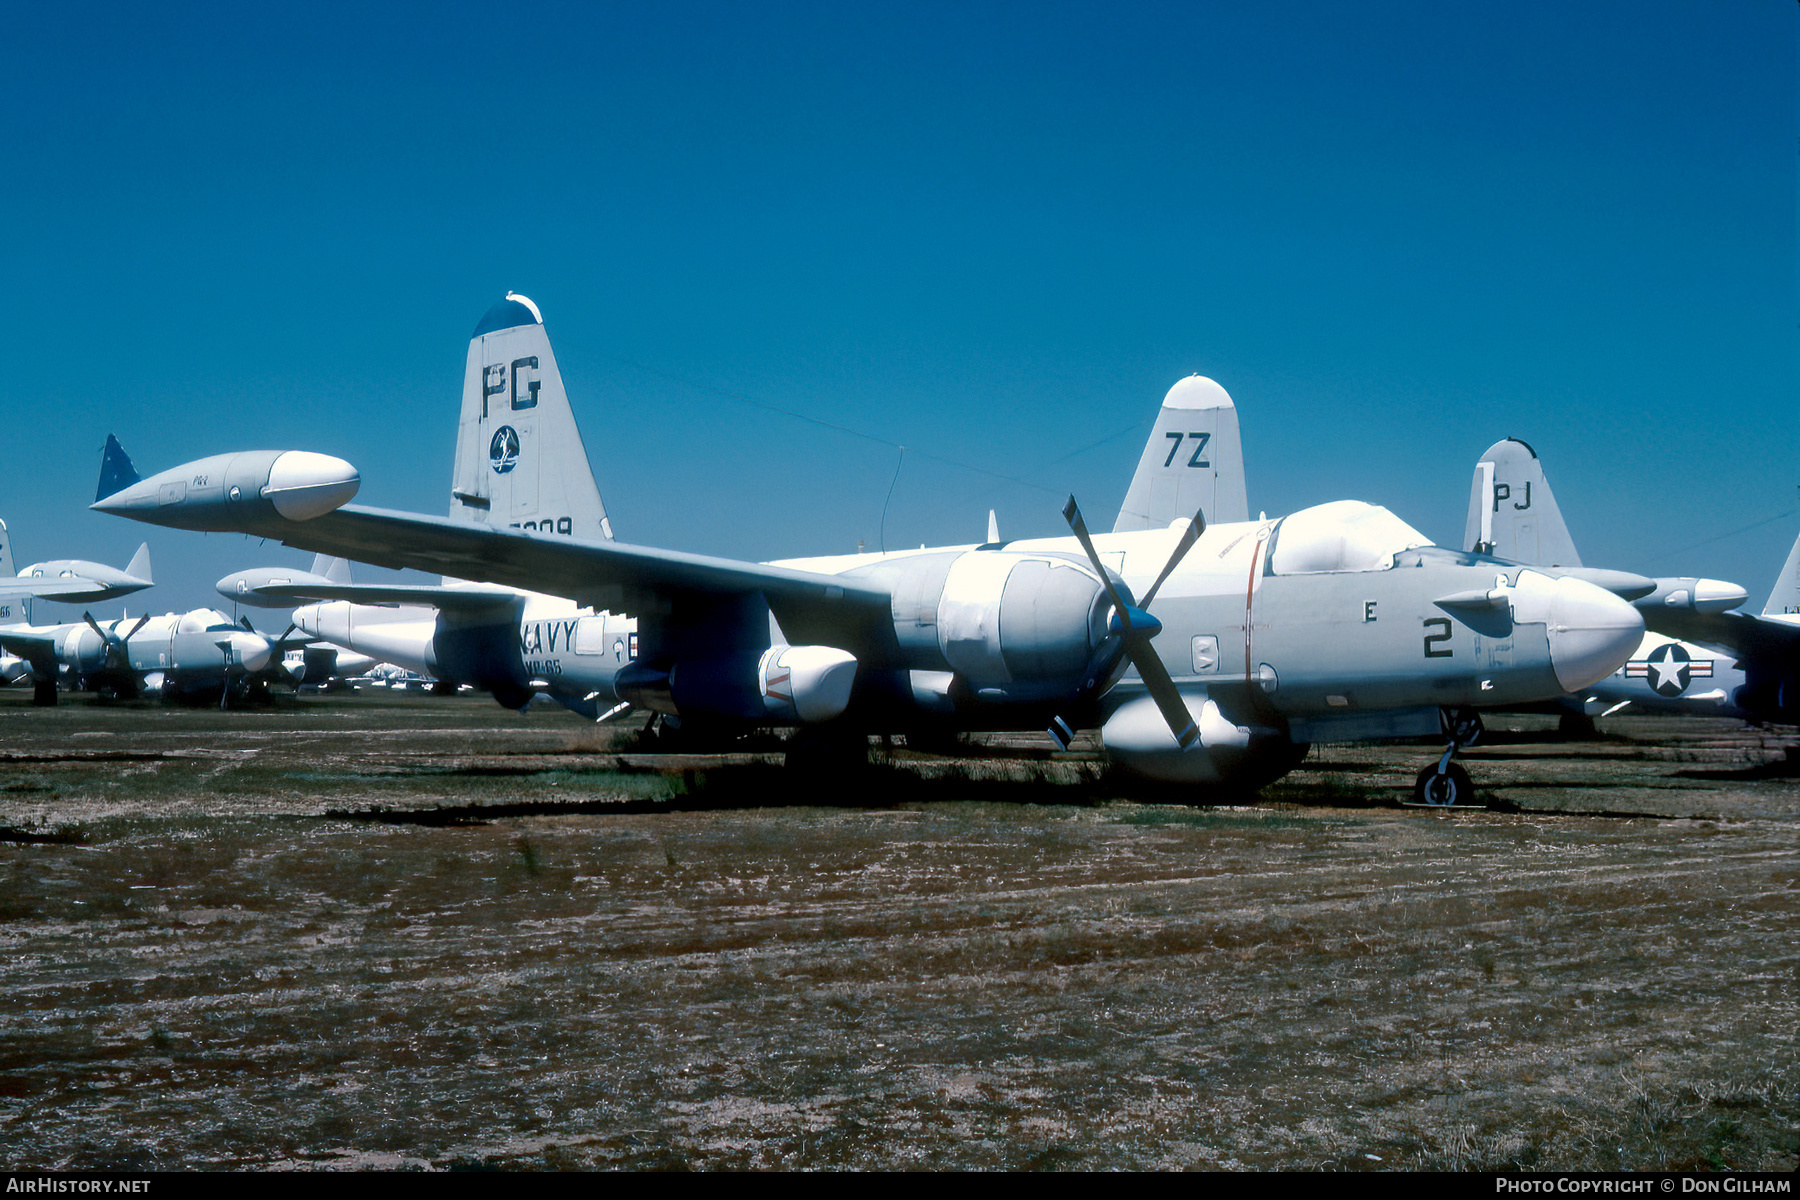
x,y
115,654
1130,630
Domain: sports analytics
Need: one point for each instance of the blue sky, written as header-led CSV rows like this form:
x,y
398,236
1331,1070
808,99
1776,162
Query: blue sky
x,y
992,233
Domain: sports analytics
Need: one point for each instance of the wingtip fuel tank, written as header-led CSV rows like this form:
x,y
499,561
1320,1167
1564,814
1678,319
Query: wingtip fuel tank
x,y
220,492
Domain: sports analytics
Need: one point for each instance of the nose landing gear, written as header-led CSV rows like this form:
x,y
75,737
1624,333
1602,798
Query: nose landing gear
x,y
1445,784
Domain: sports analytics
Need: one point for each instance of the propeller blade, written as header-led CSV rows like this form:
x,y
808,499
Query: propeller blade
x,y
1164,692
1072,514
95,626
1195,528
1135,640
141,622
276,653
245,622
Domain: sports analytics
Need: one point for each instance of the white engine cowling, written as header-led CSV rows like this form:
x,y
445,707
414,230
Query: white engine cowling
x,y
806,684
1020,626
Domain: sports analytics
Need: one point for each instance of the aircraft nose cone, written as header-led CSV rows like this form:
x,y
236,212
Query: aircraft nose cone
x,y
1592,633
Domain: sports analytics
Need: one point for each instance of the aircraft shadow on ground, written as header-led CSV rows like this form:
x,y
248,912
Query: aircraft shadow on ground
x,y
734,786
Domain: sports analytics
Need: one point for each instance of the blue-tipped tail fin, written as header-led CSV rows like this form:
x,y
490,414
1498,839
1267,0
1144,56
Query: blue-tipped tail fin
x,y
116,471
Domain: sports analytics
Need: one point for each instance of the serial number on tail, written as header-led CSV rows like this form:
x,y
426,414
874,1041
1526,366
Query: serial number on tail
x,y
560,525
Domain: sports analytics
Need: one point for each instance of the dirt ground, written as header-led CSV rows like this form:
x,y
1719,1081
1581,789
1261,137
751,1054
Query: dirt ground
x,y
382,932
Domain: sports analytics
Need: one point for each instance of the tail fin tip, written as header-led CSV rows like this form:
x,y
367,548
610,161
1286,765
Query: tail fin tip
x,y
116,471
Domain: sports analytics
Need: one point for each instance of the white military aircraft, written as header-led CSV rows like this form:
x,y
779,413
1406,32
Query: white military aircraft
x,y
1732,665
1339,622
68,580
567,651
197,653
520,463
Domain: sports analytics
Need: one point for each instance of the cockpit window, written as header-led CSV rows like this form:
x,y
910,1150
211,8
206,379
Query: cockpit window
x,y
1345,535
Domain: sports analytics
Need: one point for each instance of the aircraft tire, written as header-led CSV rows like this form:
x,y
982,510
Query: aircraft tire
x,y
1452,788
43,693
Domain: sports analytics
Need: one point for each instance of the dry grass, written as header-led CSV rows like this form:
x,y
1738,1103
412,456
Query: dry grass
x,y
608,961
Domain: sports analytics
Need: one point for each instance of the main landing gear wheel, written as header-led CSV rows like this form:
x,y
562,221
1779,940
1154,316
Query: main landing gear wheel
x,y
1446,790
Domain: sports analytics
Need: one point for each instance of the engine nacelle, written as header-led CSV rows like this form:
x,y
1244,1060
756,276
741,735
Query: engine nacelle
x,y
483,652
806,684
1014,626
1137,735
783,684
82,650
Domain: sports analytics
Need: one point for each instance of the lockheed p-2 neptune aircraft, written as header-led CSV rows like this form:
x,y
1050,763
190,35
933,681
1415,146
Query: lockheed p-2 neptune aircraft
x,y
1202,653
68,580
177,654
1699,656
519,454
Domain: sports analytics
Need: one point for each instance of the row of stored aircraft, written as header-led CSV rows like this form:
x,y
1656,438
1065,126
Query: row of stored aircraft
x,y
1204,646
1336,623
192,654
1723,663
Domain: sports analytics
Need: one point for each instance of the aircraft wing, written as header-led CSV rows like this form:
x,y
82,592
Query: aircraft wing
x,y
47,589
38,649
1736,633
609,575
1767,650
468,600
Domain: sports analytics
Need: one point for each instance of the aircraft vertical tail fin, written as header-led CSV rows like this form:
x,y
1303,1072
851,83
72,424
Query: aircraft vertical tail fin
x,y
1512,513
1194,460
12,612
520,461
1784,598
335,569
116,471
139,567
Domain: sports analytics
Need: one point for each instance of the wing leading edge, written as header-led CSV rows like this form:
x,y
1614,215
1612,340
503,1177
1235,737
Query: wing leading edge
x,y
611,576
